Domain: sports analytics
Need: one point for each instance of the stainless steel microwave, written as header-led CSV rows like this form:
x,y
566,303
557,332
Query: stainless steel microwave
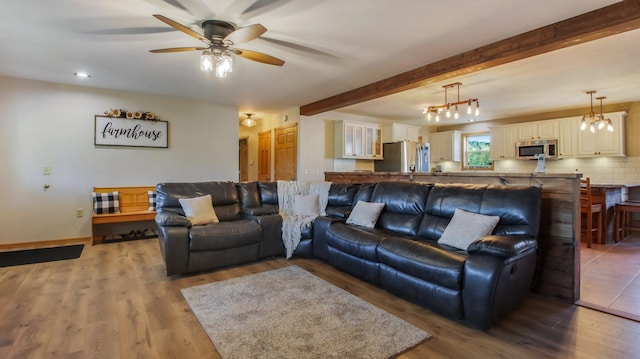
x,y
532,150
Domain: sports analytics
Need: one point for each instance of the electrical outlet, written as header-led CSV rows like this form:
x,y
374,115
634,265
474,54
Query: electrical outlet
x,y
79,213
46,170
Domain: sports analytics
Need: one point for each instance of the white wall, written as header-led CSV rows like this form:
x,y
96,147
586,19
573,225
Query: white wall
x,y
44,124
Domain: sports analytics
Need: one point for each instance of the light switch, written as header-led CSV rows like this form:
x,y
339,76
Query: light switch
x,y
46,170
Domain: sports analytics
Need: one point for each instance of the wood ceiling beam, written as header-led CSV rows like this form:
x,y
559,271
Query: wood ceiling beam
x,y
607,21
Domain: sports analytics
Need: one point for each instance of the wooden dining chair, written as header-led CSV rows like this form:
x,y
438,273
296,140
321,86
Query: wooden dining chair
x,y
589,208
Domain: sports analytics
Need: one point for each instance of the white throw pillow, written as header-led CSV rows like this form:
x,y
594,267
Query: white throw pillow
x,y
199,210
466,227
306,205
365,214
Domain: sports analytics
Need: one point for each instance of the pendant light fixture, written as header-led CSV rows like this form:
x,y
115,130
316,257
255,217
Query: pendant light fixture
x,y
249,122
593,120
452,106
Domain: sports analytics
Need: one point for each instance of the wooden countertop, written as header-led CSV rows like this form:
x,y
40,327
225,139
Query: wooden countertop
x,y
613,185
466,173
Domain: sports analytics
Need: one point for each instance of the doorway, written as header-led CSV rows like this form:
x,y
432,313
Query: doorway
x,y
286,140
243,159
264,156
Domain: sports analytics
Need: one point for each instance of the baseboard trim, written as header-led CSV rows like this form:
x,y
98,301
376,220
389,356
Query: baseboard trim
x,y
43,244
616,312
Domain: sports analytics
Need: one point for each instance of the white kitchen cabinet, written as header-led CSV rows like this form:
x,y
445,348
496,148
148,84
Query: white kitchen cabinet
x,y
568,136
503,143
357,140
446,146
537,130
400,132
603,142
373,141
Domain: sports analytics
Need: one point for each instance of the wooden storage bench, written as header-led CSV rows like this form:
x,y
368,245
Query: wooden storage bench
x,y
134,207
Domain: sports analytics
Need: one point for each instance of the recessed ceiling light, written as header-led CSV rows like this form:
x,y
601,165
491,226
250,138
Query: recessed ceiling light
x,y
83,75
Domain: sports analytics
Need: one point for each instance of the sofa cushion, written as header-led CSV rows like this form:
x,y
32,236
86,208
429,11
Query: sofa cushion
x,y
467,227
422,261
224,196
223,235
404,205
517,206
365,214
249,195
199,210
359,242
341,194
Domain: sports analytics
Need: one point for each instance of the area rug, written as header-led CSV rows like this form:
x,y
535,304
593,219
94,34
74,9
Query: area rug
x,y
40,255
291,313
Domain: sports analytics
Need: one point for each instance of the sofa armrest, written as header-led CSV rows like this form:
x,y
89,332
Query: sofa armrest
x,y
172,219
271,244
320,246
174,246
494,286
503,246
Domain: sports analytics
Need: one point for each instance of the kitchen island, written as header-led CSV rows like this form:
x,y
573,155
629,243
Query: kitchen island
x,y
559,237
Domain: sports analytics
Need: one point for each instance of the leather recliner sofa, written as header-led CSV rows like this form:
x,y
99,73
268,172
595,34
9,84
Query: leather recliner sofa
x,y
240,237
401,254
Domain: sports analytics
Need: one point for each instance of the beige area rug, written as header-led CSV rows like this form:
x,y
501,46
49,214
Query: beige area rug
x,y
291,313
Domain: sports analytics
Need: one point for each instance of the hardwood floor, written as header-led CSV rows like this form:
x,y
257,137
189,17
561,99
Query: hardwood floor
x,y
610,276
115,302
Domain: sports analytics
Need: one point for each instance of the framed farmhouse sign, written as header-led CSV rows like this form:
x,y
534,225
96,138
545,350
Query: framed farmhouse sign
x,y
114,131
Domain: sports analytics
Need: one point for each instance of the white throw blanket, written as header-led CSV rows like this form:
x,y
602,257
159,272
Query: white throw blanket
x,y
292,225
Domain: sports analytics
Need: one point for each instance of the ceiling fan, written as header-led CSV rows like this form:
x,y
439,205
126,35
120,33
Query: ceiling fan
x,y
220,37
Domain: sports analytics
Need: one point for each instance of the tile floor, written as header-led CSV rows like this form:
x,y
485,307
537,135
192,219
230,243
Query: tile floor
x,y
610,277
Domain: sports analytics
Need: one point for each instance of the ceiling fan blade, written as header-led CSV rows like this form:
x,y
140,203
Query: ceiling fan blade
x,y
182,28
197,8
259,57
178,49
246,34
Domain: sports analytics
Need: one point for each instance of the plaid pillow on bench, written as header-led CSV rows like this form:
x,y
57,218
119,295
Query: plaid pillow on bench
x,y
106,202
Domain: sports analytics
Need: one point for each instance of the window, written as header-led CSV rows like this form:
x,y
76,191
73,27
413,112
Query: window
x,y
477,151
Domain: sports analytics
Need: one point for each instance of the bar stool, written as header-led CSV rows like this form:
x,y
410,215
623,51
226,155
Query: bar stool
x,y
623,219
589,208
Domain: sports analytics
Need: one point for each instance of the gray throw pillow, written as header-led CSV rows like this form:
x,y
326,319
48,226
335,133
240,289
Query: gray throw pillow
x,y
467,227
306,205
365,214
199,210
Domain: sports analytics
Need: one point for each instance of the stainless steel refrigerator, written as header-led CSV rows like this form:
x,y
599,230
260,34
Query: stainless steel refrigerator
x,y
404,156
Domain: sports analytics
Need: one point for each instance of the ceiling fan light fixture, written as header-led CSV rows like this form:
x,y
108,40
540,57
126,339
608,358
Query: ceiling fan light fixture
x,y
224,64
206,61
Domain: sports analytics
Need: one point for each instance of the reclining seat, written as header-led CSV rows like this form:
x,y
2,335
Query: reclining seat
x,y
188,248
353,249
483,283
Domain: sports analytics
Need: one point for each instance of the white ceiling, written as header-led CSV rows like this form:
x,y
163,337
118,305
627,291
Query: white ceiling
x,y
329,47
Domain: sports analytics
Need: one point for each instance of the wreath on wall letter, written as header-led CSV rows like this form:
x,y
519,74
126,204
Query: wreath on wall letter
x,y
138,115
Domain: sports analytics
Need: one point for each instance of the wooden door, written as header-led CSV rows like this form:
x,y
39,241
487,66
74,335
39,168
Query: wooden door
x,y
286,139
264,156
243,158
